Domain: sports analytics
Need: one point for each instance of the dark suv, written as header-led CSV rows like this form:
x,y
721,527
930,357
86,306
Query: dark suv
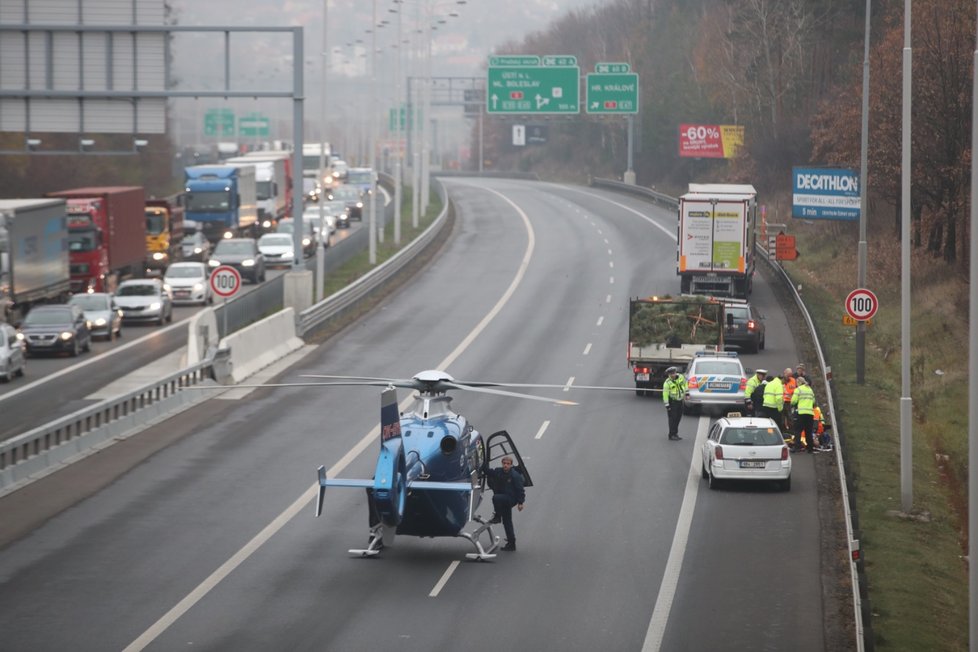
x,y
243,255
745,326
53,329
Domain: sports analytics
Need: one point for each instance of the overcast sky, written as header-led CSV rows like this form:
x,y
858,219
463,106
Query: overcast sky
x,y
460,45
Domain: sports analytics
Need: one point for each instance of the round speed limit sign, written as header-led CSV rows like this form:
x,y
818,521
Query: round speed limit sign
x,y
225,281
861,304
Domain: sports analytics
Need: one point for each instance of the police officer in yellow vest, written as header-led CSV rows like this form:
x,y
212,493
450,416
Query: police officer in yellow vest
x,y
752,384
673,391
773,399
804,400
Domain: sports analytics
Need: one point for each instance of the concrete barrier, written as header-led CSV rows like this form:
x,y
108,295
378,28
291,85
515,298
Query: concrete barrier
x,y
256,346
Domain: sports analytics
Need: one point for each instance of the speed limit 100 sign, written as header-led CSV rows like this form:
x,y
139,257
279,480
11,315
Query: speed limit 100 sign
x,y
225,281
861,304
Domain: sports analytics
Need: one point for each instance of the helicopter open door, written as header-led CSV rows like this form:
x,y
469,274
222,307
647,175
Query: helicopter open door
x,y
499,445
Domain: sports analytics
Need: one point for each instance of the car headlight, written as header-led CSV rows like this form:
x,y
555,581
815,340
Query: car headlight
x,y
20,336
289,254
306,241
155,305
99,322
248,262
159,255
197,250
359,204
214,263
267,224
67,335
167,288
228,235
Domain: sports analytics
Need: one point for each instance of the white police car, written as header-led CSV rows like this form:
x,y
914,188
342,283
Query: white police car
x,y
716,380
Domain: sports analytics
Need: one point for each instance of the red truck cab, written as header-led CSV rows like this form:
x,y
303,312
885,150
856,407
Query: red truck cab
x,y
88,255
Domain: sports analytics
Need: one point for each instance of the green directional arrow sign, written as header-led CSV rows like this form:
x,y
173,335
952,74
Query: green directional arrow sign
x,y
253,124
612,93
533,89
219,122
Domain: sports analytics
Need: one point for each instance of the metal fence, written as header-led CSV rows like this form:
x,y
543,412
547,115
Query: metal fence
x,y
859,581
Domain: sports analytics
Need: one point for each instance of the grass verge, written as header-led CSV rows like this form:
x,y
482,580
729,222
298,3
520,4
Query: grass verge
x,y
918,589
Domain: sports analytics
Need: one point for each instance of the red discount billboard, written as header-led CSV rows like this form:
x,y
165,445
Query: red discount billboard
x,y
710,141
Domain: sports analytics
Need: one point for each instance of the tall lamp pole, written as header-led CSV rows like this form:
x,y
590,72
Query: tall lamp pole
x,y
323,228
972,370
371,155
863,178
906,402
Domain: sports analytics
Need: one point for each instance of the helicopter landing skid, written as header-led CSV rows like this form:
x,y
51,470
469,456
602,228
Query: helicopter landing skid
x,y
481,553
374,544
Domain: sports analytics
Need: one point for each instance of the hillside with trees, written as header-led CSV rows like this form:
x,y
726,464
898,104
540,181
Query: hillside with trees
x,y
790,72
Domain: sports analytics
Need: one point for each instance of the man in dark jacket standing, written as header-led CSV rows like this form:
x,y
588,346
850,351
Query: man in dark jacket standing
x,y
507,491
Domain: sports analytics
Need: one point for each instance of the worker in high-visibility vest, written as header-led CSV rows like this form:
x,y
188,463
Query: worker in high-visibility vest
x,y
773,400
789,382
752,384
803,399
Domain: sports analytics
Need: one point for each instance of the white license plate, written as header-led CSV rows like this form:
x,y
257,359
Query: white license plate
x,y
641,377
752,464
720,386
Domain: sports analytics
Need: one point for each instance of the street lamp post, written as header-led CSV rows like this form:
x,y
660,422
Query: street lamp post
x,y
323,230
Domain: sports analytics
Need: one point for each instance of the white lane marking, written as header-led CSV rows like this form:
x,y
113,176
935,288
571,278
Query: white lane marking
x,y
609,252
543,428
668,232
93,360
600,321
587,349
444,580
607,299
611,280
670,578
312,492
567,385
611,264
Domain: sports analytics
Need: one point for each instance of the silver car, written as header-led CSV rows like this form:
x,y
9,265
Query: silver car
x,y
187,282
12,358
144,300
103,315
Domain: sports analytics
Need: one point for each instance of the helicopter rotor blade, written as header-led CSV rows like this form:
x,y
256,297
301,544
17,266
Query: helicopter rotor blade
x,y
502,392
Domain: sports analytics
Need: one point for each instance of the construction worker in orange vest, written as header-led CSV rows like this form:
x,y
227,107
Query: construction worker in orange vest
x,y
789,382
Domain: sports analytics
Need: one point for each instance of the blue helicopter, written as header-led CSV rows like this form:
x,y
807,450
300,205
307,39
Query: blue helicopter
x,y
432,467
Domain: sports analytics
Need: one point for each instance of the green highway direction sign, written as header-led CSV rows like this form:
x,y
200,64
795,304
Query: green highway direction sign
x,y
612,92
219,122
534,89
253,124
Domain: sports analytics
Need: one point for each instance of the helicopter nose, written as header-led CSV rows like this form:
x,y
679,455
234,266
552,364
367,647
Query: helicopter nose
x,y
448,444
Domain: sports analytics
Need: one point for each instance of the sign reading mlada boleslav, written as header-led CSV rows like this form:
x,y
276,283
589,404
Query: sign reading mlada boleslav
x,y
825,194
532,84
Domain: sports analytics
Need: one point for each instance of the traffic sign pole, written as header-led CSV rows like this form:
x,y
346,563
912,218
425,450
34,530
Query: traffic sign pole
x,y
225,281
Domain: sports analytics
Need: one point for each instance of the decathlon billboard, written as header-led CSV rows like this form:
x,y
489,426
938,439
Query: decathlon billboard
x,y
825,194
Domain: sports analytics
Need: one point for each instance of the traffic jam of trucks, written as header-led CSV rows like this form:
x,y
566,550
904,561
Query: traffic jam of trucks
x,y
89,240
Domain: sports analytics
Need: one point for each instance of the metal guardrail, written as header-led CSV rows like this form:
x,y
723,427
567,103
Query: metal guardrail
x,y
46,448
340,302
854,567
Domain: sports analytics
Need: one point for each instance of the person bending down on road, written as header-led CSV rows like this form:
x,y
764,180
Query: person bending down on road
x,y
507,490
